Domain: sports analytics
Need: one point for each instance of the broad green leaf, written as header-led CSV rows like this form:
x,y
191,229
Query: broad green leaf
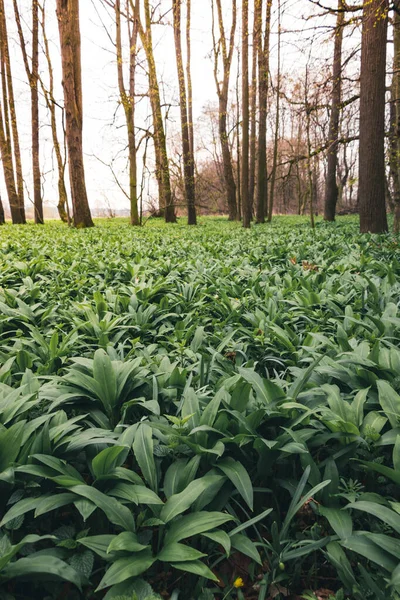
x,y
240,478
104,376
43,566
195,523
125,568
176,552
196,567
143,450
116,512
125,541
339,520
386,515
178,503
390,402
246,546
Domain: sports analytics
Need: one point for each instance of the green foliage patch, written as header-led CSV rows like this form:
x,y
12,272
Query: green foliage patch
x,y
199,413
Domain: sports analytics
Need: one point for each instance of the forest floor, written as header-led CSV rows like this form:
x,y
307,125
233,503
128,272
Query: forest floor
x,y
205,412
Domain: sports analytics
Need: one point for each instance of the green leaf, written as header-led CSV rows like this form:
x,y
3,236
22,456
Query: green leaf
x,y
138,494
125,541
366,547
179,553
116,512
339,520
104,375
196,567
125,568
107,460
221,538
265,390
42,565
246,546
240,478
383,513
143,450
195,523
250,522
390,402
178,503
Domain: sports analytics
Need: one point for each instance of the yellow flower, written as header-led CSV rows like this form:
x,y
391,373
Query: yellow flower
x,y
238,583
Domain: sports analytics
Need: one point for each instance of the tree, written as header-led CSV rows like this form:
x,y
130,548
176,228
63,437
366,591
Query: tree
x,y
372,117
32,73
394,137
128,101
70,42
277,120
9,136
159,137
257,28
331,187
224,50
245,114
187,149
48,92
263,73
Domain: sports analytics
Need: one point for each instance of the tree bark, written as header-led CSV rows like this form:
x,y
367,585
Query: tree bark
x,y
263,70
223,93
257,27
394,137
62,205
70,41
159,137
331,187
277,122
9,136
188,158
128,104
372,117
245,114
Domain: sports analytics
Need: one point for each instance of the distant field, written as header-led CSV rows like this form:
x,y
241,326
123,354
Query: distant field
x,y
160,387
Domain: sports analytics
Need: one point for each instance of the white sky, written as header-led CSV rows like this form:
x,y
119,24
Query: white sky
x,y
104,132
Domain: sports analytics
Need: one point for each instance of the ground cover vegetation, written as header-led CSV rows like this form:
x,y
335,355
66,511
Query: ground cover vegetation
x,y
209,413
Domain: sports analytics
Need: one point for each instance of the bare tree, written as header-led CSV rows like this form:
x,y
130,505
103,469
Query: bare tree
x,y
223,50
394,137
372,117
159,137
245,114
263,74
9,137
128,100
331,187
51,104
32,73
187,154
70,41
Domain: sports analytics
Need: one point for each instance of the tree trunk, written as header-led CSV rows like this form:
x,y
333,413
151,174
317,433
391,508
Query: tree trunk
x,y
10,146
223,92
188,158
257,26
277,120
70,41
245,114
263,70
37,189
62,205
395,120
128,103
372,117
331,187
160,143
